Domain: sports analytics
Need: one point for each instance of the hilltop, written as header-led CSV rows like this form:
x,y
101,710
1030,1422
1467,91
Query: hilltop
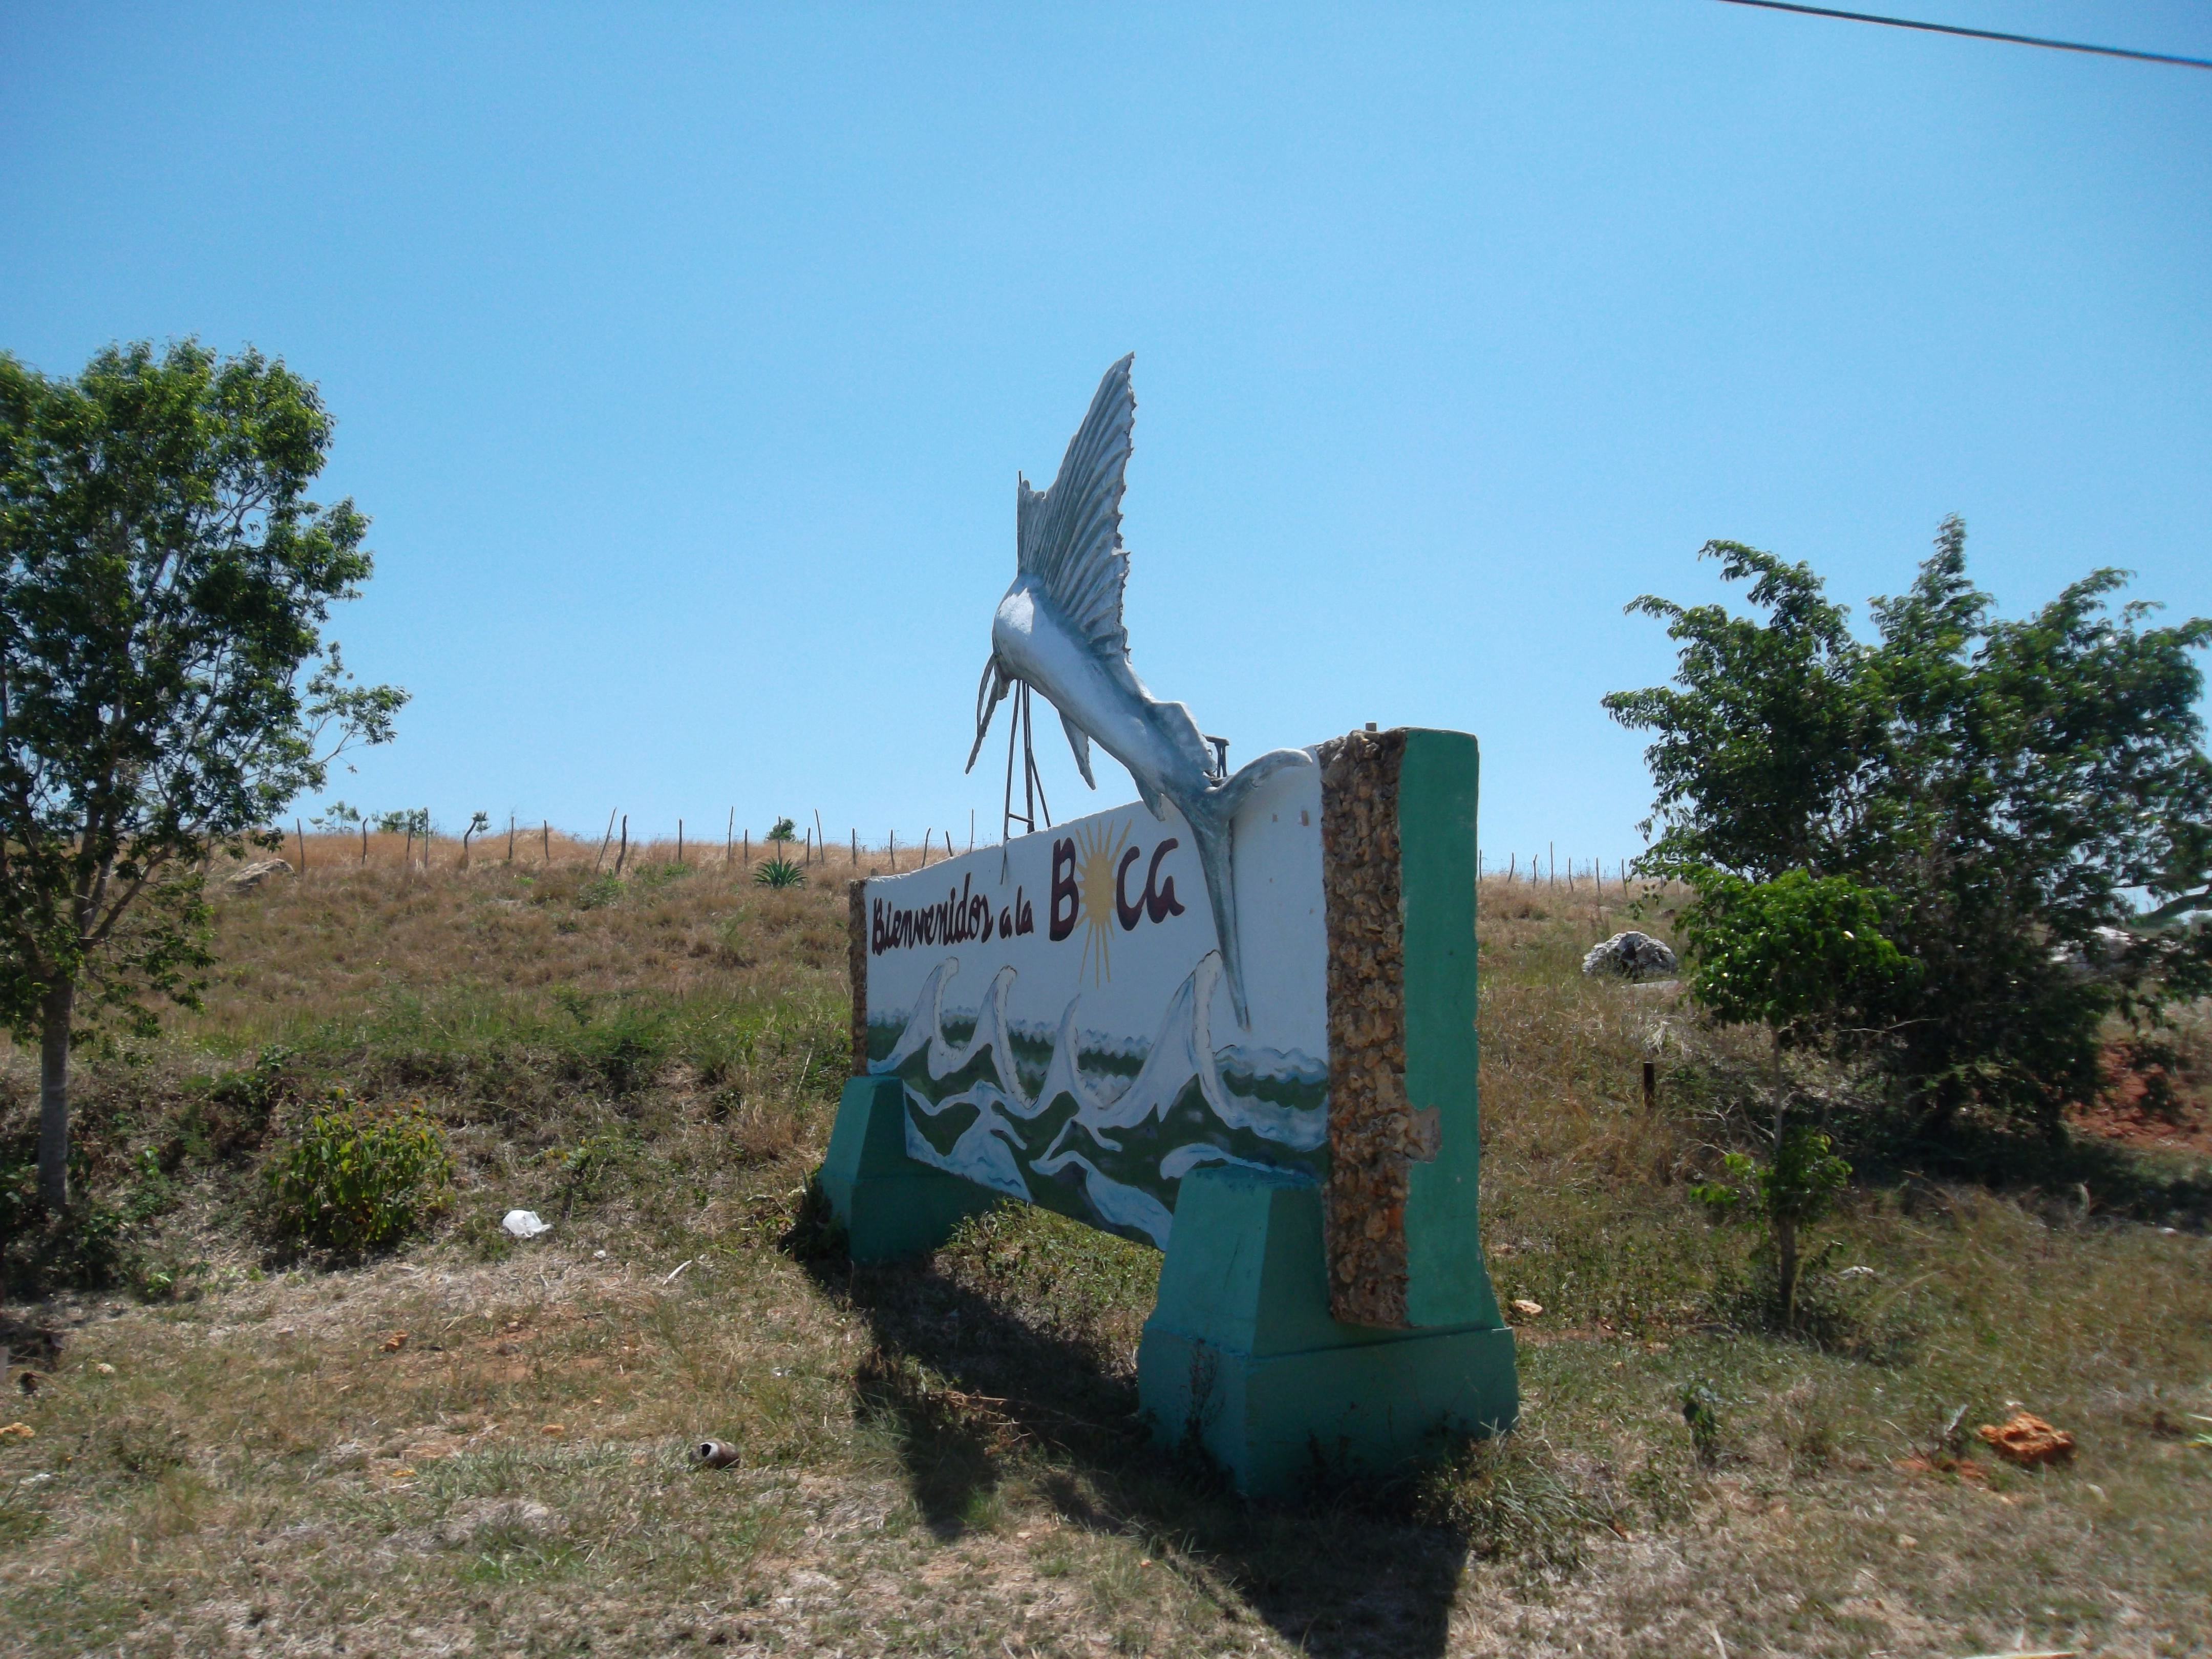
x,y
477,1444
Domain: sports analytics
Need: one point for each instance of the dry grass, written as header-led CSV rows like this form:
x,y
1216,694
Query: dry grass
x,y
943,1457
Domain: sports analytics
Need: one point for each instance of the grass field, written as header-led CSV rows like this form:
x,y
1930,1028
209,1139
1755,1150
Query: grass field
x,y
233,1451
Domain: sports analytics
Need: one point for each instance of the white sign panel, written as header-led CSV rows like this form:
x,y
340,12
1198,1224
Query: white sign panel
x,y
1058,1011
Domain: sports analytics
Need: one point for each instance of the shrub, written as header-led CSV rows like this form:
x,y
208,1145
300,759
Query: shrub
x,y
357,1177
780,872
1778,1198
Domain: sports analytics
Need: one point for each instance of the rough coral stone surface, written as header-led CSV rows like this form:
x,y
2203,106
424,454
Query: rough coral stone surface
x,y
856,969
1374,1132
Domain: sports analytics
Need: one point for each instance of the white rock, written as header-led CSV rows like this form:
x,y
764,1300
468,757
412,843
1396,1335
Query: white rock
x,y
248,876
1631,955
525,1223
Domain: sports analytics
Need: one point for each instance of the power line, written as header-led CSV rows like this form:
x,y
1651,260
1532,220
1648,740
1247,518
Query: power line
x,y
1977,34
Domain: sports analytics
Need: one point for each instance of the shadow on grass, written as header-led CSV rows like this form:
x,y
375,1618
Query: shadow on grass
x,y
2119,1180
973,1397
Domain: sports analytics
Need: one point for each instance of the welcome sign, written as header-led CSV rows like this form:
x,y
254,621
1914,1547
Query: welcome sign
x,y
1234,1018
1058,1015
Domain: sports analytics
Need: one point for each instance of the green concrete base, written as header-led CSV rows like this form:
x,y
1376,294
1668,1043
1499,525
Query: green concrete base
x,y
1241,1355
891,1206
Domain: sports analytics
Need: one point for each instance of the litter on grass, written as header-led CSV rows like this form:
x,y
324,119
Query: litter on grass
x,y
525,1223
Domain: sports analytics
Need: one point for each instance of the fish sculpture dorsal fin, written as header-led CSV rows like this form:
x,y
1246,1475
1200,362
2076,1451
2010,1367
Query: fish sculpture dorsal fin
x,y
1070,536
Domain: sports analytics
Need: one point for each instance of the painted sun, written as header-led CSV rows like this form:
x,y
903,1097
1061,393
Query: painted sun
x,y
1096,850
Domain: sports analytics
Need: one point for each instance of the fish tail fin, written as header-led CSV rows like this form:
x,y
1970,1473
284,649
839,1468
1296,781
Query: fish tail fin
x,y
1212,818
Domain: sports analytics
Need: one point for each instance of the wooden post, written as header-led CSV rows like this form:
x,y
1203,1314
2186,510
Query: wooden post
x,y
749,849
679,840
893,854
730,838
1651,1085
971,828
926,834
302,833
821,840
545,840
603,840
364,843
625,852
948,844
856,849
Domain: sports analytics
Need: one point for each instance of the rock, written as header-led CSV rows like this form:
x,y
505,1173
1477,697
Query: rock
x,y
247,877
2027,1438
525,1223
1630,955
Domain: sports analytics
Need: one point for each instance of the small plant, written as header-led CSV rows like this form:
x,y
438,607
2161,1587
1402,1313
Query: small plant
x,y
358,1178
598,891
1701,1410
1797,1189
587,1164
779,872
1509,1497
785,830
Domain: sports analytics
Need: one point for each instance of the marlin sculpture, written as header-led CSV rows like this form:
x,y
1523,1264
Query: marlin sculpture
x,y
1059,631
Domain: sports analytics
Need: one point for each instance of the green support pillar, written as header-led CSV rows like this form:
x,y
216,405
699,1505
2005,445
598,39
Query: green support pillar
x,y
891,1206
1241,1354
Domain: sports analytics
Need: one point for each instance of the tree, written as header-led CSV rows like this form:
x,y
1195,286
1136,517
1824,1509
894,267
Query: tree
x,y
2007,785
1803,956
164,687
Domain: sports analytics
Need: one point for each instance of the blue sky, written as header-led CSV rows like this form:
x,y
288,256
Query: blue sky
x,y
684,356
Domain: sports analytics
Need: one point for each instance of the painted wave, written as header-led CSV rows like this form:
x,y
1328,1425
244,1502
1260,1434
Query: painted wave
x,y
1105,1134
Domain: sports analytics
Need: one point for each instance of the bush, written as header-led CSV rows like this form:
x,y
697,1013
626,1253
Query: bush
x,y
358,1177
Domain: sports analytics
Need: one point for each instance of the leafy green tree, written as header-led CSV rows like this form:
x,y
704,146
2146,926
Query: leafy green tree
x,y
164,686
1803,956
2008,784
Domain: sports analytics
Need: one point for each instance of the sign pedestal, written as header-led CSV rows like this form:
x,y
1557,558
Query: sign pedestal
x,y
1240,1355
1242,1358
890,1206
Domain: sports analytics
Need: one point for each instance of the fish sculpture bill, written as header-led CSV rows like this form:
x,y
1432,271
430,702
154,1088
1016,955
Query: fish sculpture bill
x,y
1058,630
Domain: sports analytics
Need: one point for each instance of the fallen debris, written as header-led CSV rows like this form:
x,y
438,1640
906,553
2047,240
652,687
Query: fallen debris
x,y
16,1432
525,1223
395,1342
1522,1305
2027,1438
716,1454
